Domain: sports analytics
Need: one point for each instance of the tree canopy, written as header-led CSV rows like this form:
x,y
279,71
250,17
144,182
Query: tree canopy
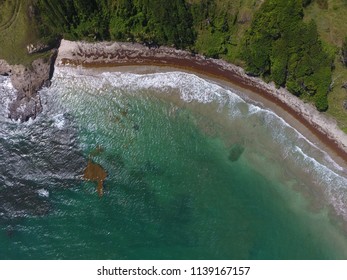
x,y
154,21
278,46
288,51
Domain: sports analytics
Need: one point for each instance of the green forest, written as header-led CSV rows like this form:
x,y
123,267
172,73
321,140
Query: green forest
x,y
294,43
283,48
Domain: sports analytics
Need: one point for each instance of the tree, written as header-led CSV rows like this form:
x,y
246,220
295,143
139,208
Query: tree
x,y
281,46
305,3
344,52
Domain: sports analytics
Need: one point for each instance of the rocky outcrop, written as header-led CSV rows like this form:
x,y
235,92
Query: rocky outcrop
x,y
5,68
28,81
38,48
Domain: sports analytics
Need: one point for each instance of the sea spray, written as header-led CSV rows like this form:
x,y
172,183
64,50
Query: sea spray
x,y
7,95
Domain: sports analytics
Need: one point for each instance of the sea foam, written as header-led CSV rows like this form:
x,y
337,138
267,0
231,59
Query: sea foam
x,y
7,94
327,173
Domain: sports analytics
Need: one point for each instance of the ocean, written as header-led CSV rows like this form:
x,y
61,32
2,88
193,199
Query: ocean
x,y
163,166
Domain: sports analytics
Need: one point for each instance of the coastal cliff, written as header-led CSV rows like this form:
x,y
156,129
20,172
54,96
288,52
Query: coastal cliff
x,y
28,81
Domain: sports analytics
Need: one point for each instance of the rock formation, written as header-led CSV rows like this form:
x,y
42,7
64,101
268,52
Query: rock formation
x,y
28,81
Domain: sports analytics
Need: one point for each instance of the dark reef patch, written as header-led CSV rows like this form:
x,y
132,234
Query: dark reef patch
x,y
95,172
235,152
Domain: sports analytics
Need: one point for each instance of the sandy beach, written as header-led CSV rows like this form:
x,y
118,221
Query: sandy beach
x,y
317,127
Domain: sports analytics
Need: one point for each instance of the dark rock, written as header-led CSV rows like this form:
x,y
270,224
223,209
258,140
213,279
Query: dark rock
x,y
5,68
38,48
151,45
25,108
27,82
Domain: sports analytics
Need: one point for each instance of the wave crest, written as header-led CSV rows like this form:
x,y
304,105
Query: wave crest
x,y
317,164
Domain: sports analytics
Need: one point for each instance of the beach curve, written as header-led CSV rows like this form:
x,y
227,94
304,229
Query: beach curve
x,y
116,54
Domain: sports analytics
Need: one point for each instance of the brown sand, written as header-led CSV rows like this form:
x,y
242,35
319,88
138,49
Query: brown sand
x,y
317,125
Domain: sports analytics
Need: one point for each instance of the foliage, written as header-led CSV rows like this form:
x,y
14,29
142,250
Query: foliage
x,y
281,46
278,45
213,28
344,52
155,21
306,2
87,19
159,22
323,4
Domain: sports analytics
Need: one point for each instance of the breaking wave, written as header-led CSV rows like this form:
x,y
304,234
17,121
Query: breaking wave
x,y
317,164
45,152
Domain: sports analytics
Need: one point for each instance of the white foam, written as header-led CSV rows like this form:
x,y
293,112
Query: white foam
x,y
280,135
43,192
193,88
336,185
59,121
254,109
200,90
7,94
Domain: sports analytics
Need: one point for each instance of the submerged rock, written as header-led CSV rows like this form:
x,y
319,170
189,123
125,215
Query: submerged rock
x,y
95,172
236,152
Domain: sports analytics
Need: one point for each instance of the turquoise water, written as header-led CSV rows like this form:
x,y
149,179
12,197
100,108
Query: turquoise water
x,y
194,172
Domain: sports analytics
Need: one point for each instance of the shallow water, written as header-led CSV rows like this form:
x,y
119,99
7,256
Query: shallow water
x,y
193,172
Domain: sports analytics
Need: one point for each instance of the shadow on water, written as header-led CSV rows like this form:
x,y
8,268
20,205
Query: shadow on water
x,y
236,152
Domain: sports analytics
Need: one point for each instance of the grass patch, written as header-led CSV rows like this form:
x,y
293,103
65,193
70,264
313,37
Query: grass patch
x,y
17,30
331,20
338,95
332,25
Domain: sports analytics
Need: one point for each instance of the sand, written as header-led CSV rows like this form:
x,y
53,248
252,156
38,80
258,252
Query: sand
x,y
319,128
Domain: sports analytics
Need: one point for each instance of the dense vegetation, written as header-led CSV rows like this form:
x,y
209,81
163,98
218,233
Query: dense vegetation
x,y
275,39
280,46
152,21
344,52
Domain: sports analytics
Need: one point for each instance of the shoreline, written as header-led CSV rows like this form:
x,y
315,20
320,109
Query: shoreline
x,y
27,81
300,115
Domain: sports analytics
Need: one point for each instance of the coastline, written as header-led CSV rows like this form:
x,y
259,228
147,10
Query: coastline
x,y
302,116
27,81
